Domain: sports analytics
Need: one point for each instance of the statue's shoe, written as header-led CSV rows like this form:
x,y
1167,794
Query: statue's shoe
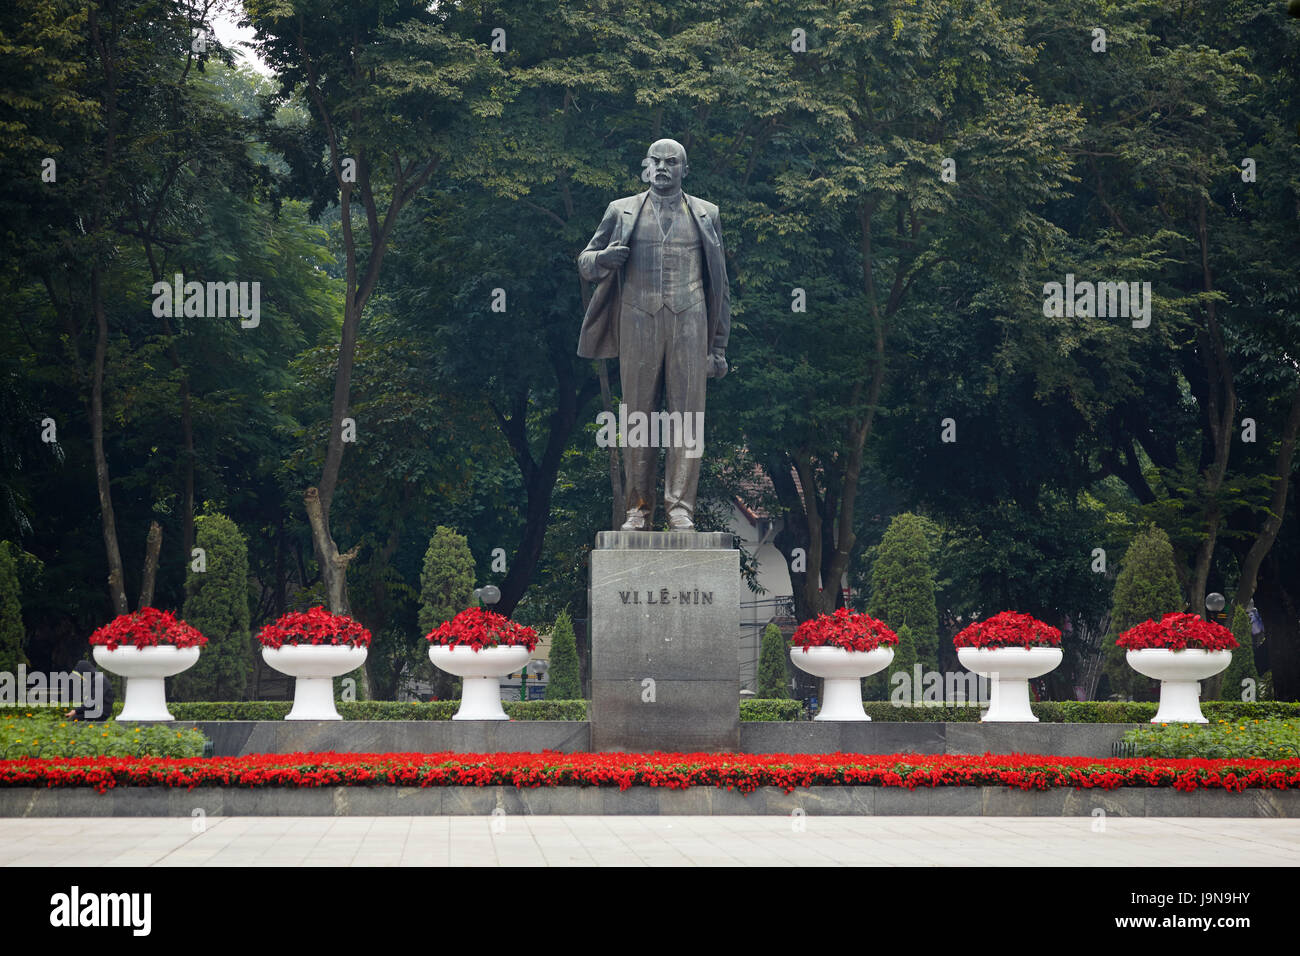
x,y
635,522
680,523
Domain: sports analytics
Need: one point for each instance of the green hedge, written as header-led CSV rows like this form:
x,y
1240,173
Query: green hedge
x,y
759,708
444,709
1266,739
375,710
1052,712
48,734
1087,711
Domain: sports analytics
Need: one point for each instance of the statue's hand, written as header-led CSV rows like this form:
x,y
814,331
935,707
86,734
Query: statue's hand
x,y
717,364
612,257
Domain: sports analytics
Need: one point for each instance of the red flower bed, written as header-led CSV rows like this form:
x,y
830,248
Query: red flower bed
x,y
147,627
1178,632
317,626
851,630
479,628
743,772
1008,629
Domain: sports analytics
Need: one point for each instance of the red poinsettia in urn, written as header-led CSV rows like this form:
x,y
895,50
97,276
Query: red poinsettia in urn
x,y
146,648
1180,651
842,648
314,647
481,647
1009,648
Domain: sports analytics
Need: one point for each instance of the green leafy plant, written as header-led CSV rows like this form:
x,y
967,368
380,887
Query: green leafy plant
x,y
11,612
773,676
1267,739
44,733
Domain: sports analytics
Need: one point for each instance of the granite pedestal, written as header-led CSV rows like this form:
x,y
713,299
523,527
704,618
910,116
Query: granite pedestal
x,y
664,667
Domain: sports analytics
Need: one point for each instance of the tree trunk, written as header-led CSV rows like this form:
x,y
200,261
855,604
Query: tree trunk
x,y
333,565
1279,609
1263,542
618,513
152,546
1220,410
116,579
539,476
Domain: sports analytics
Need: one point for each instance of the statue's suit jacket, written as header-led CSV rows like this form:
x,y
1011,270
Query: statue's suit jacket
x,y
599,336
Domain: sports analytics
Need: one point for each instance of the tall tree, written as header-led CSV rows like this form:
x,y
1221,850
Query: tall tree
x,y
861,211
387,87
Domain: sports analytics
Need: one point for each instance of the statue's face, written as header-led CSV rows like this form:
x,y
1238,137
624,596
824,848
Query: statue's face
x,y
667,165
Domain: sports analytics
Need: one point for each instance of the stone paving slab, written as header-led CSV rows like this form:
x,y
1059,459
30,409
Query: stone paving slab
x,y
38,802
518,840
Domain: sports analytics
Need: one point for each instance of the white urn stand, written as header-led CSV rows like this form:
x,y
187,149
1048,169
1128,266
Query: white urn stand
x,y
1180,674
145,670
313,668
841,671
480,673
1008,670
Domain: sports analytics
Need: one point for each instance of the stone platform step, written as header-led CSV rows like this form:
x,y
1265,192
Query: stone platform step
x,y
233,738
643,801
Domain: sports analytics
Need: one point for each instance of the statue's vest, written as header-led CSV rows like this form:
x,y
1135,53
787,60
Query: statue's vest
x,y
665,269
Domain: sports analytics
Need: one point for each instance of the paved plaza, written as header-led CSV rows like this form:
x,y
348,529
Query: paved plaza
x,y
648,841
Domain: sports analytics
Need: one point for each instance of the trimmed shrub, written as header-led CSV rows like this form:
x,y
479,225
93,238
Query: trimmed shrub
x,y
446,589
12,634
773,677
758,708
447,579
904,659
1242,668
216,603
563,680
902,585
1146,588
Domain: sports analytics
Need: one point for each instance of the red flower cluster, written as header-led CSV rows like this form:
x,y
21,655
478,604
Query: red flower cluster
x,y
851,630
147,627
480,628
1008,629
317,626
1177,632
743,772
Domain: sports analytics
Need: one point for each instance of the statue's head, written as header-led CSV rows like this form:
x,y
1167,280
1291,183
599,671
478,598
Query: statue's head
x,y
666,165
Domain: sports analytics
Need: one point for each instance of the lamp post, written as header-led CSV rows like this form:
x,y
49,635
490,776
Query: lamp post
x,y
539,668
1214,603
488,595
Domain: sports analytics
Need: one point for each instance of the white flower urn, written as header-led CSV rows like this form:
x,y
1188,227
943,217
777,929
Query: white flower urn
x,y
145,670
1008,670
313,668
480,673
1180,673
841,671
